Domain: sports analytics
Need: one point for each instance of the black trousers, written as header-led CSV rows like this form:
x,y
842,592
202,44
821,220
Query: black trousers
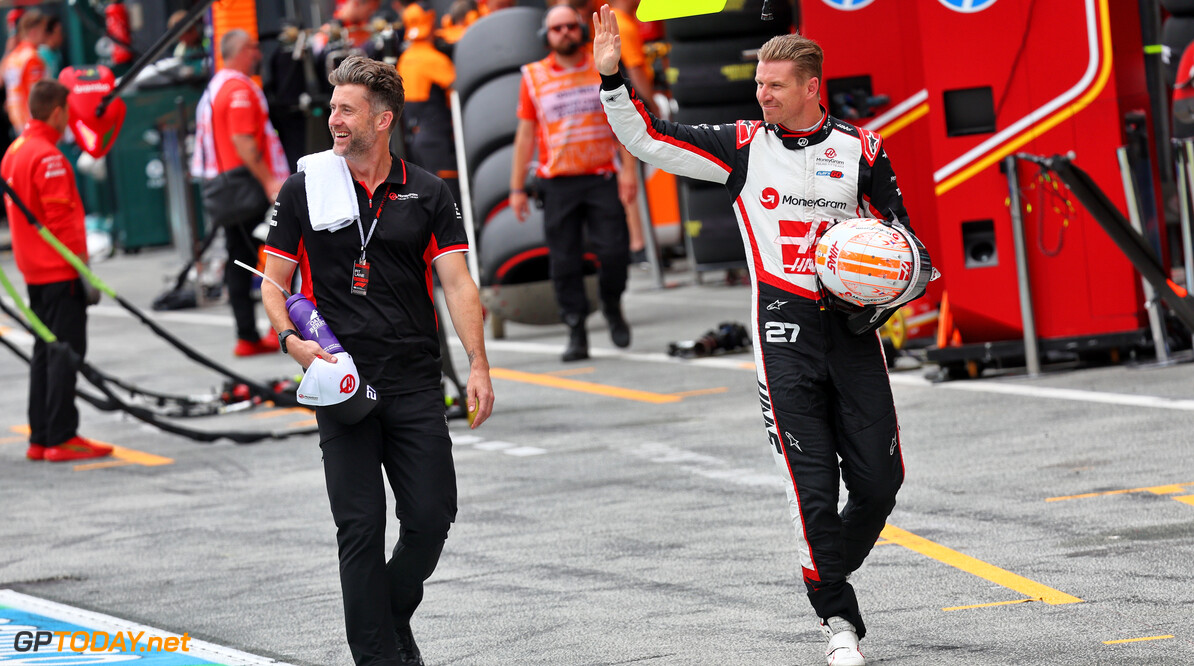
x,y
407,436
243,246
828,407
574,206
62,306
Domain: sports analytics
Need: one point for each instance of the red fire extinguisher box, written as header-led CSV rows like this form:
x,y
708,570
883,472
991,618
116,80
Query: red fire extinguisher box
x,y
998,77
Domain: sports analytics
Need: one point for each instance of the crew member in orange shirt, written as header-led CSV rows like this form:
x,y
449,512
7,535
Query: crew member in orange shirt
x,y
427,75
23,67
559,105
43,179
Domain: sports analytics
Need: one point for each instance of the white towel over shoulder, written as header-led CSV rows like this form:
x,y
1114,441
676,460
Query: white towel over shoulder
x,y
331,197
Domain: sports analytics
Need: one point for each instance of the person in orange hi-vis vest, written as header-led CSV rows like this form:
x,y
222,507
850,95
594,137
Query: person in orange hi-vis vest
x,y
582,188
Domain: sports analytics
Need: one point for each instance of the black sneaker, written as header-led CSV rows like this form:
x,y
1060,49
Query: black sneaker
x,y
408,651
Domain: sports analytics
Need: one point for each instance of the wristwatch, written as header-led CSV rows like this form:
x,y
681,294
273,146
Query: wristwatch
x,y
282,338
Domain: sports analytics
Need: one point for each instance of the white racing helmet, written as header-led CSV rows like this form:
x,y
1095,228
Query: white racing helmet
x,y
867,262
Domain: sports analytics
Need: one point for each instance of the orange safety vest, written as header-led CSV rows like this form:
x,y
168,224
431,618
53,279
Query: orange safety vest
x,y
574,137
22,68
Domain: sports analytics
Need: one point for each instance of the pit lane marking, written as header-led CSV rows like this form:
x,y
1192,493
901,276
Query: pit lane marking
x,y
120,455
718,469
583,387
1166,489
983,386
1137,640
1033,590
508,448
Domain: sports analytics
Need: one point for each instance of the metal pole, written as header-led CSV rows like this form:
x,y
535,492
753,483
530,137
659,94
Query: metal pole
x,y
1185,185
161,45
1032,358
466,197
644,216
1154,316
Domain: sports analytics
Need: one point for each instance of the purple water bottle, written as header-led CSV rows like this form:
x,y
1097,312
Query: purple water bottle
x,y
311,325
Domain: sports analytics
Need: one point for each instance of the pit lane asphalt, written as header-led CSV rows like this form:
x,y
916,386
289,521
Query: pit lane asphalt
x,y
597,528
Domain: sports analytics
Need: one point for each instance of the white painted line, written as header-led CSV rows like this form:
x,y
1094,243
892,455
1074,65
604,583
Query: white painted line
x,y
493,446
1078,395
704,465
523,451
460,440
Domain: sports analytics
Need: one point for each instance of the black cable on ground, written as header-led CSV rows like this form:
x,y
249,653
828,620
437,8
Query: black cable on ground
x,y
112,402
255,388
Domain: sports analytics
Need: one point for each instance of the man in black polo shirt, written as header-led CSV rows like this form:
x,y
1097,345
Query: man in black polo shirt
x,y
372,283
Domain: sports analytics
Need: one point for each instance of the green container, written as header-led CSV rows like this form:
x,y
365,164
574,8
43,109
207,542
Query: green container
x,y
136,168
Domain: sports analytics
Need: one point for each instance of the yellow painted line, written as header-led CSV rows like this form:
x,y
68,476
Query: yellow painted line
x,y
284,411
1172,489
708,391
1062,115
14,439
978,568
582,387
139,457
747,366
1166,489
1186,499
905,120
572,371
21,429
304,424
994,603
1137,640
101,465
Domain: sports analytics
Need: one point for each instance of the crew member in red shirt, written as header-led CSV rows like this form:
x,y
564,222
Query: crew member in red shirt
x,y
42,177
233,129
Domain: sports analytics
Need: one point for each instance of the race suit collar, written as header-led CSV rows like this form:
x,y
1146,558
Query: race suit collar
x,y
793,139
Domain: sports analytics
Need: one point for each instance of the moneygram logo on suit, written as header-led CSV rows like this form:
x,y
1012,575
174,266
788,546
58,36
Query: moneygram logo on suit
x,y
965,6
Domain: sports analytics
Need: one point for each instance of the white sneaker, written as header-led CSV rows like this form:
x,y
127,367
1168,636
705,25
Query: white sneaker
x,y
843,643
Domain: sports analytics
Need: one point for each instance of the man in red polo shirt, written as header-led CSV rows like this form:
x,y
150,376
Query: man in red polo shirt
x,y
233,130
43,179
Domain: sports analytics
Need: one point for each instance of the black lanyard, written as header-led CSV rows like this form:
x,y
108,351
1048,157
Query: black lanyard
x,y
361,228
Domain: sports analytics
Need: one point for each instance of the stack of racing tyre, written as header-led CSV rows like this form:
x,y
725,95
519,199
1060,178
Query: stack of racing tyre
x,y
711,75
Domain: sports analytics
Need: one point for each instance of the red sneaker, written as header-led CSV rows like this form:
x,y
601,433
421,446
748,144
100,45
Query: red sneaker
x,y
76,448
266,345
35,452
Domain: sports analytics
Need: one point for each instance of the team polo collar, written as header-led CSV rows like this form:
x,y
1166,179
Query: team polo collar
x,y
397,174
794,140
41,130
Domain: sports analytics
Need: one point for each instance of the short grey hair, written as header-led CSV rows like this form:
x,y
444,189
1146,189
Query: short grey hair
x,y
232,42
